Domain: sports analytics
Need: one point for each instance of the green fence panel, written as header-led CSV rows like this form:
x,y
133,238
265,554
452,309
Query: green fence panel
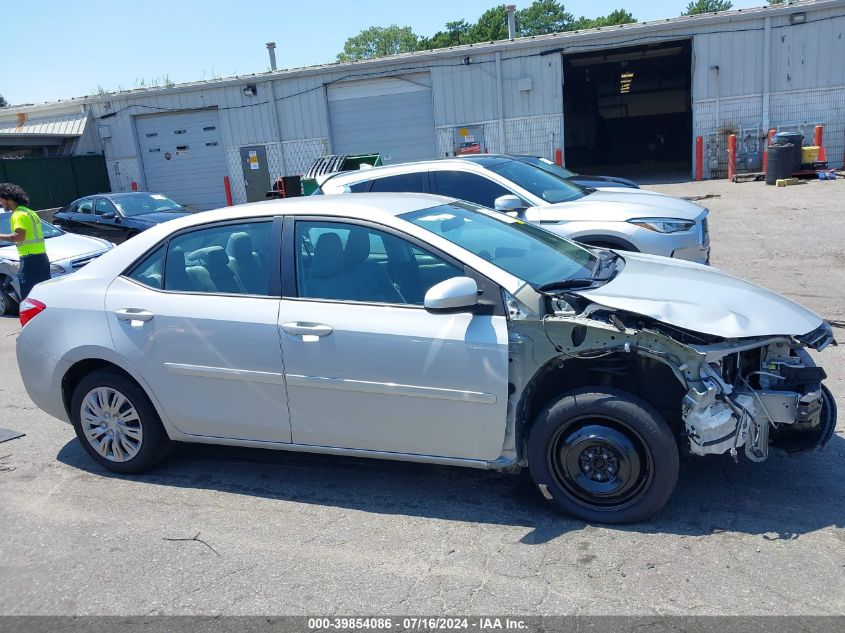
x,y
54,182
90,174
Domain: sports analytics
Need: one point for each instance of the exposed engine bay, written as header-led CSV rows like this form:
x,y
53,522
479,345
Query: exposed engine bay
x,y
736,394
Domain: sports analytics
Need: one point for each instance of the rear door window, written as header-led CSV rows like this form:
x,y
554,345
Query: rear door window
x,y
412,183
469,187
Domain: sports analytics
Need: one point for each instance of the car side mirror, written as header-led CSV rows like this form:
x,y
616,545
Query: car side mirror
x,y
458,294
509,204
108,216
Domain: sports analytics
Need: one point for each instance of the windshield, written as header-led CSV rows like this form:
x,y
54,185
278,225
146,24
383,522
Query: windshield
x,y
546,165
46,228
541,183
141,203
522,249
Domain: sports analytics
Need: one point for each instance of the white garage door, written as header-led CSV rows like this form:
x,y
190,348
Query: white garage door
x,y
392,116
183,157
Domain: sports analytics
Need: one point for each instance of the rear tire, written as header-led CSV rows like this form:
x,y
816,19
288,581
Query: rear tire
x,y
603,456
8,304
117,424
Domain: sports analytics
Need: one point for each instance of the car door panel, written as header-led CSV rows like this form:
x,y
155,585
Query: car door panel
x,y
212,361
107,228
386,376
397,379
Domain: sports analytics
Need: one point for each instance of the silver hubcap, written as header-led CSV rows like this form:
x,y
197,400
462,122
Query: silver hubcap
x,y
111,424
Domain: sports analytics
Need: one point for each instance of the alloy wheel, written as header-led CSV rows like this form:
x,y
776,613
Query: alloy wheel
x,y
111,424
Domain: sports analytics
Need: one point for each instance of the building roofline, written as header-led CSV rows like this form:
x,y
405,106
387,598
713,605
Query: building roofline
x,y
562,40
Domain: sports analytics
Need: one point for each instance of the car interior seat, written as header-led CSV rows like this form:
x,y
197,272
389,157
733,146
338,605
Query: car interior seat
x,y
175,273
246,263
222,275
324,276
375,283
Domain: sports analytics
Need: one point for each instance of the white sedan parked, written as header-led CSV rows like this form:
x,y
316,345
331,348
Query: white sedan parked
x,y
417,327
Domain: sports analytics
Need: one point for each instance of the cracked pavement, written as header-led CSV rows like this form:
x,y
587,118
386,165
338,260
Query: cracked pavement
x,y
309,534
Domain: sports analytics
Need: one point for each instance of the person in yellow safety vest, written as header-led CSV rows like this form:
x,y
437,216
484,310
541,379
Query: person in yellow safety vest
x,y
27,234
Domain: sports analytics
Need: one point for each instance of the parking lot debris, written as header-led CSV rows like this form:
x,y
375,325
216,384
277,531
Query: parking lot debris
x,y
8,434
5,468
705,197
787,182
196,538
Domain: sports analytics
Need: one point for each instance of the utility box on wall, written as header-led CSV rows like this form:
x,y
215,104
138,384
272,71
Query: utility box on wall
x,y
469,139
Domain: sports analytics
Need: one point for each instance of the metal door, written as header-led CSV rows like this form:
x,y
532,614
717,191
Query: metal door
x,y
256,173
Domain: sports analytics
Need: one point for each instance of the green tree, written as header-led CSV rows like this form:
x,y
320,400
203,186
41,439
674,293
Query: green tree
x,y
620,16
456,33
492,25
775,1
378,41
3,102
707,6
541,17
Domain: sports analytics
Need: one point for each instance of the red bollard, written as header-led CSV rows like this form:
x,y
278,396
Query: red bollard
x,y
731,156
133,185
818,136
559,157
699,158
228,187
771,138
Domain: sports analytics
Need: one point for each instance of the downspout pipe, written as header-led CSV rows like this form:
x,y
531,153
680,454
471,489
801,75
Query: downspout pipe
x,y
511,11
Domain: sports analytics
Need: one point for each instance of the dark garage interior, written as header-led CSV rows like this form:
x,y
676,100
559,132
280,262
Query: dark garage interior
x,y
628,111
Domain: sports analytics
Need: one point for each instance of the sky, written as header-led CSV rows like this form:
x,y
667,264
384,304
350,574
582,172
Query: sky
x,y
56,49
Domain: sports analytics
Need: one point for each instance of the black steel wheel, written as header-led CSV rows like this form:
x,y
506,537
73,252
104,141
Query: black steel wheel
x,y
605,457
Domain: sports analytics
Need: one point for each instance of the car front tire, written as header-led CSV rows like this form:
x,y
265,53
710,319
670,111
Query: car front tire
x,y
117,424
603,456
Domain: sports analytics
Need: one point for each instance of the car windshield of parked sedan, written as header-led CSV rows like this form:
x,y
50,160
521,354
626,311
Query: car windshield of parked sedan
x,y
139,204
46,228
522,249
539,182
546,165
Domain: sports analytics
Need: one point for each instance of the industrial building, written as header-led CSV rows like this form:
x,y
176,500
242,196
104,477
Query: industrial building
x,y
621,99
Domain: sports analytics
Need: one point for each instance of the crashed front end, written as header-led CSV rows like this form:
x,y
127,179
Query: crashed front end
x,y
740,394
753,394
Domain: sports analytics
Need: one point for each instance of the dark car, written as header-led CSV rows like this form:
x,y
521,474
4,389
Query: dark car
x,y
594,182
118,216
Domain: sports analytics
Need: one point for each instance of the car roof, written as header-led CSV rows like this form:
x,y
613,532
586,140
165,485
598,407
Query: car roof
x,y
461,162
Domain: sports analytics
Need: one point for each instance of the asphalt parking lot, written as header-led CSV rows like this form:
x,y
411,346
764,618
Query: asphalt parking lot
x,y
287,533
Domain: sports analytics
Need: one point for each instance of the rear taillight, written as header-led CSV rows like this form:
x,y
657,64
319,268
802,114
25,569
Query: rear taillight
x,y
29,309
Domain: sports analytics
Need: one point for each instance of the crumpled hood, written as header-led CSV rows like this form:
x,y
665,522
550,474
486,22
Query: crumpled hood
x,y
701,298
619,205
158,218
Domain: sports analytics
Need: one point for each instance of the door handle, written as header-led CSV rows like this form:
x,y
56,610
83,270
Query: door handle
x,y
307,329
133,314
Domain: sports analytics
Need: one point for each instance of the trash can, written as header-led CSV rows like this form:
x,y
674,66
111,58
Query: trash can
x,y
779,161
796,139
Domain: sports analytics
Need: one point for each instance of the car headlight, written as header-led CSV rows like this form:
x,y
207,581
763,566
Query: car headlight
x,y
55,268
664,225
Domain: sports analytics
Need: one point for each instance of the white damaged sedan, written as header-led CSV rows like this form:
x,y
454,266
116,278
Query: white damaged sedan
x,y
421,328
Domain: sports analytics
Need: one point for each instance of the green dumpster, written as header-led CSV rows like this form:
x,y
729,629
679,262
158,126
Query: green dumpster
x,y
334,163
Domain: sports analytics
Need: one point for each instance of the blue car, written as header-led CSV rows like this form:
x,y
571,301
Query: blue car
x,y
118,216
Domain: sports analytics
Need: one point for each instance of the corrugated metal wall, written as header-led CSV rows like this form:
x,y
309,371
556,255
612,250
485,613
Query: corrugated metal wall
x,y
289,114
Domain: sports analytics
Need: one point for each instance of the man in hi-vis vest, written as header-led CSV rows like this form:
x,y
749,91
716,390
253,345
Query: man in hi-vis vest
x,y
27,234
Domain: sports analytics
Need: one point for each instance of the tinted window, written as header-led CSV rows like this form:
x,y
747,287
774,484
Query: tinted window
x,y
103,206
358,187
149,271
230,259
346,262
85,206
541,183
522,249
413,183
470,187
